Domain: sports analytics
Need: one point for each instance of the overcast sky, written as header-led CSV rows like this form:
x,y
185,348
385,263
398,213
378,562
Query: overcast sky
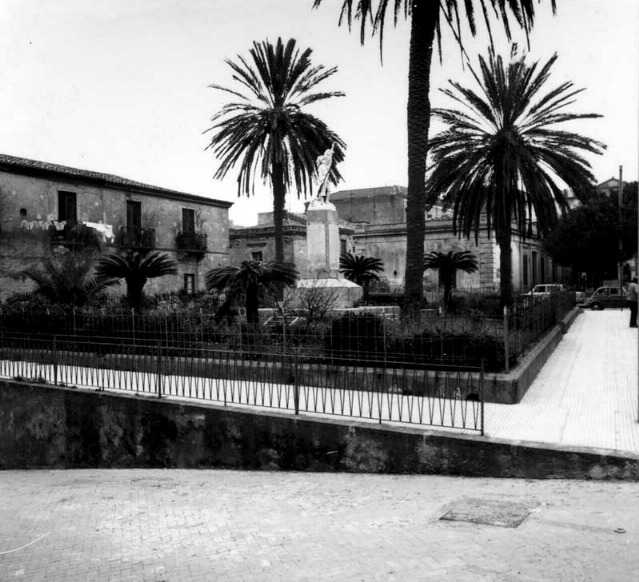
x,y
122,86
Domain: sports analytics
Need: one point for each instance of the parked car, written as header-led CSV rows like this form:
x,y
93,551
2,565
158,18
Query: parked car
x,y
606,297
547,289
542,291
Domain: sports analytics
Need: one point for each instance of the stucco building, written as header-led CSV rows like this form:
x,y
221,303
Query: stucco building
x,y
378,216
44,206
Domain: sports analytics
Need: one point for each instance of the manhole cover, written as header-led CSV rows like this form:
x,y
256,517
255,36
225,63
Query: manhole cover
x,y
488,512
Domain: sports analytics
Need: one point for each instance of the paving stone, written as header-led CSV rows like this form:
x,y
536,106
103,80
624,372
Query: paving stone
x,y
293,527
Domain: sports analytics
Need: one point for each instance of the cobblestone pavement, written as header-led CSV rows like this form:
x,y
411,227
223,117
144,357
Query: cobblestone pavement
x,y
179,525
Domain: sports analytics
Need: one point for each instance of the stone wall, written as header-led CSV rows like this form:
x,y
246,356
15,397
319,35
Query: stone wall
x,y
46,427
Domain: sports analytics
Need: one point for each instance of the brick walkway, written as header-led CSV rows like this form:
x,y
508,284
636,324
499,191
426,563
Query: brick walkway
x,y
205,526
585,395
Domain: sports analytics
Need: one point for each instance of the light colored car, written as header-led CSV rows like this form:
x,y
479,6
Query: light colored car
x,y
547,289
544,290
606,297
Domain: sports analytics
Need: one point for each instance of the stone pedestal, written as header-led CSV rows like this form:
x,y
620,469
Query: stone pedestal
x,y
323,277
322,235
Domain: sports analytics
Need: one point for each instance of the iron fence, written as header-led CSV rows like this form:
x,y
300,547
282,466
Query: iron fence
x,y
370,337
378,391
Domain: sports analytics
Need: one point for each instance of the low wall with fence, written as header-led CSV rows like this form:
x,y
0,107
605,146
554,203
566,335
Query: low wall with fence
x,y
48,427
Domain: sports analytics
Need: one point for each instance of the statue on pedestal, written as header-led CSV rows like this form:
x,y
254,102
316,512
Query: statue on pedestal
x,y
323,165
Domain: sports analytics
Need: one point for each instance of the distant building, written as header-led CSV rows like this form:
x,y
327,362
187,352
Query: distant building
x,y
46,206
379,221
610,187
258,242
373,223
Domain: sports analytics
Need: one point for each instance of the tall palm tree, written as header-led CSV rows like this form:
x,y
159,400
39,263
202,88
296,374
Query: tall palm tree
x,y
501,156
267,131
136,269
360,269
426,18
448,264
65,279
248,281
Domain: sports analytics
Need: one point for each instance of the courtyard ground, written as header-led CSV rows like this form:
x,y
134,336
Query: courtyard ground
x,y
203,525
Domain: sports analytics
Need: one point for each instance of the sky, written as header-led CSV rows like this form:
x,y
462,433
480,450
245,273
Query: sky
x,y
121,87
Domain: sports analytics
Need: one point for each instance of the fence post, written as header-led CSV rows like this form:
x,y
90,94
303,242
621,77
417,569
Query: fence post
x,y
296,384
55,360
481,396
133,326
159,370
506,342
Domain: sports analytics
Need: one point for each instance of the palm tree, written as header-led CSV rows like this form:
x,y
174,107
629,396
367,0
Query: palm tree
x,y
448,264
501,157
426,20
65,279
136,268
268,132
249,280
360,269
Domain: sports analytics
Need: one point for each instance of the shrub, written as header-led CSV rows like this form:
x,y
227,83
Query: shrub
x,y
356,338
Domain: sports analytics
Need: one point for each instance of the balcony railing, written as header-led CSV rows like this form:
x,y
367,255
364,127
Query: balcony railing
x,y
191,242
135,237
74,235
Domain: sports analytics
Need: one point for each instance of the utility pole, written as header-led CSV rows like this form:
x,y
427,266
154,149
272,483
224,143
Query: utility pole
x,y
620,263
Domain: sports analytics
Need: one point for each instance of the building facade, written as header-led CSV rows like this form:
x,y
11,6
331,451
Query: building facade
x,y
378,217
47,206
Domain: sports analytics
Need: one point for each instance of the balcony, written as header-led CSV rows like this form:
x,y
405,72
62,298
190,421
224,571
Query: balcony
x,y
191,242
135,237
72,235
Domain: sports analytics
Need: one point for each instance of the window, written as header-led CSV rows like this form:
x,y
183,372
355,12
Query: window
x,y
342,246
189,284
256,256
133,214
67,207
534,267
188,220
525,271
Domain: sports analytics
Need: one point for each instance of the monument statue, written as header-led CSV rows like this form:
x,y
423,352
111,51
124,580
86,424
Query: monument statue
x,y
323,167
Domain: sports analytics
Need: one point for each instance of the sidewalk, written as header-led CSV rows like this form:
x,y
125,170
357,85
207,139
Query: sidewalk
x,y
229,526
585,395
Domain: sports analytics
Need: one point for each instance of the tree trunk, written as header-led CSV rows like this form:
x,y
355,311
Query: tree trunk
x,y
134,289
505,268
252,305
424,19
279,198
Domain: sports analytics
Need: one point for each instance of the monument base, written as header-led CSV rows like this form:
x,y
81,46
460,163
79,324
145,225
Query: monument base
x,y
341,293
322,235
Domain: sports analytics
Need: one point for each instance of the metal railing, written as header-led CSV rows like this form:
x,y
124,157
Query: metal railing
x,y
378,391
135,237
195,242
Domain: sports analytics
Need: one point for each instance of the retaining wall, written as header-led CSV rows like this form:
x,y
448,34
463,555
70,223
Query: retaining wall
x,y
44,426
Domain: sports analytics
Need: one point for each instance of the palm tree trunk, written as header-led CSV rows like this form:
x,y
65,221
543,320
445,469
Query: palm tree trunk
x,y
505,268
134,292
252,305
448,285
423,25
279,198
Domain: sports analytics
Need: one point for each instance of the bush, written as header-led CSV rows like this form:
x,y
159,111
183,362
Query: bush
x,y
452,348
356,338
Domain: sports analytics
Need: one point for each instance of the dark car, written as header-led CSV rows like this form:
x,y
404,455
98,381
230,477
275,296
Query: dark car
x,y
606,297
